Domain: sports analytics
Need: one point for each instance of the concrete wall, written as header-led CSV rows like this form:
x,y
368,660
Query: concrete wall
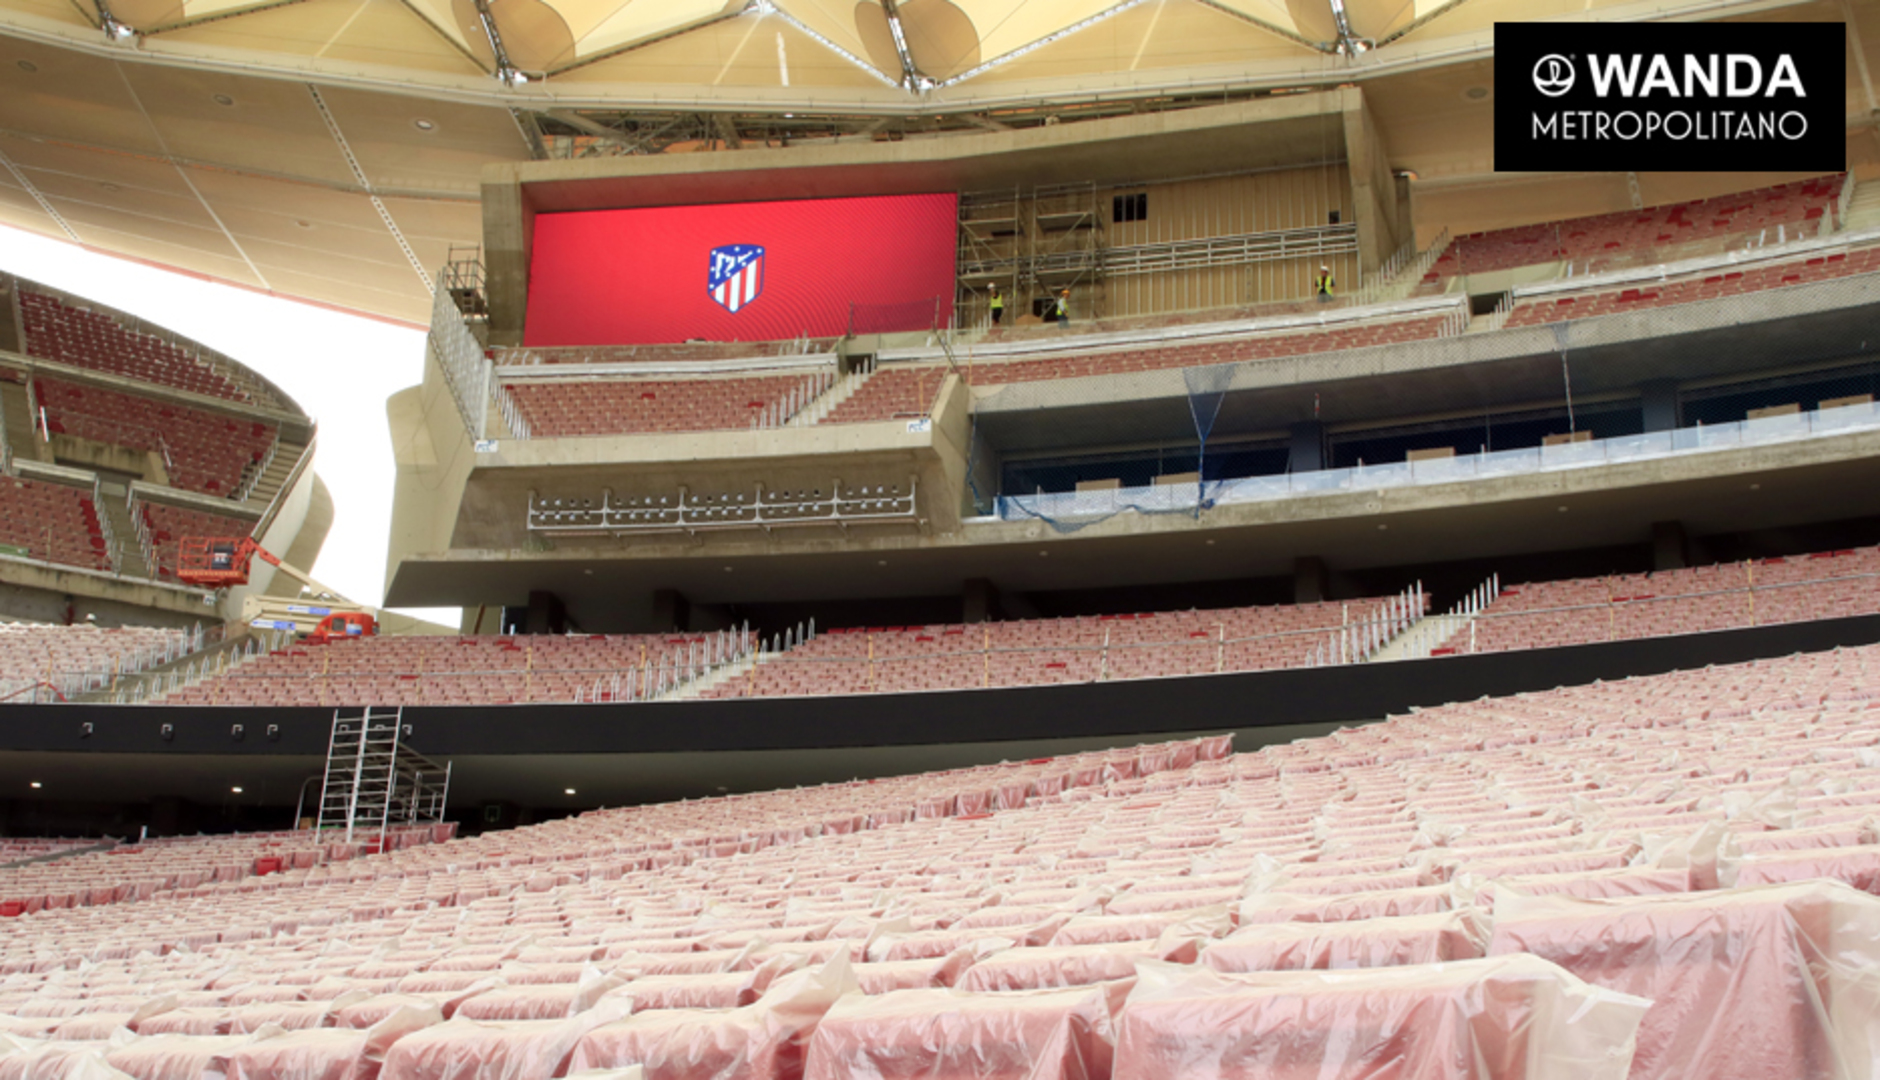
x,y
433,455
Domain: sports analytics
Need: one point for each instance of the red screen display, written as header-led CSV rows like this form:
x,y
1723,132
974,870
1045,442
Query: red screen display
x,y
763,271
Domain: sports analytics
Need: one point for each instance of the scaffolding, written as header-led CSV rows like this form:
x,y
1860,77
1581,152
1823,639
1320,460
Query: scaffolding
x,y
374,781
1031,244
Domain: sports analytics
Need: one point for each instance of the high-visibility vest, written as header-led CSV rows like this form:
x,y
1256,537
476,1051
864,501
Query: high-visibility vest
x,y
1063,306
1323,283
998,302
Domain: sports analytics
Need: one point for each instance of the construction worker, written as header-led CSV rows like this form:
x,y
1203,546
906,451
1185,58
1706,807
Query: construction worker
x,y
1323,284
997,304
1063,309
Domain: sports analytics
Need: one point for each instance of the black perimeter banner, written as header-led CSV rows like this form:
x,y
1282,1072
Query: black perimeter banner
x,y
1670,97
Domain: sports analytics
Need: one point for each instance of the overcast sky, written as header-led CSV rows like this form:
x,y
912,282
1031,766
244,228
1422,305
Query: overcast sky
x,y
339,368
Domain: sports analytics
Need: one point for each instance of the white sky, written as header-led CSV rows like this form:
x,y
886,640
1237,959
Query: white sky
x,y
339,368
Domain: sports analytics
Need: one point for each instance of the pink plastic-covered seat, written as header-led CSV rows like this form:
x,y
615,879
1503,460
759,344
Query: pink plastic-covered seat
x,y
322,1053
1746,984
1391,941
1072,965
1289,907
952,1035
763,1041
1507,1018
931,971
494,1050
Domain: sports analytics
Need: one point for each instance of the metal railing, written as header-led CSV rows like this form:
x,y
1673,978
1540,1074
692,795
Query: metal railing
x,y
136,687
56,684
112,553
1431,634
1357,641
783,411
688,510
258,469
146,545
460,356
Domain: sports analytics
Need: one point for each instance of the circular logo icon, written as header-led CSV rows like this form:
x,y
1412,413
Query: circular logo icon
x,y
1553,75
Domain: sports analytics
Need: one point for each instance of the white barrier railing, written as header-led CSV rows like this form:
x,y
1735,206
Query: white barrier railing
x,y
1432,633
1360,639
467,371
689,510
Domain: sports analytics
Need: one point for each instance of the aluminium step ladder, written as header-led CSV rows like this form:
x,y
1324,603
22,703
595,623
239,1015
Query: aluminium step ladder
x,y
375,780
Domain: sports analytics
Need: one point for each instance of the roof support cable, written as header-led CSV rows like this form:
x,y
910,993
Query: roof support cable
x,y
114,31
1349,44
506,72
911,76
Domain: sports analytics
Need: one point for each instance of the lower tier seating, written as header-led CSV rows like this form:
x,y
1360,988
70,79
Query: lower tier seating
x,y
67,657
1726,596
1659,877
52,522
1037,651
422,670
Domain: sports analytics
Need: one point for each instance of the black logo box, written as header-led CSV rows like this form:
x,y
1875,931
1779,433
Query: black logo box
x,y
1549,115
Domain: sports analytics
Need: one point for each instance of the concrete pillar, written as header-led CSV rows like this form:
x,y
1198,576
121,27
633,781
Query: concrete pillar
x,y
547,614
1658,400
508,227
671,610
1311,580
1374,194
1307,450
1671,549
979,601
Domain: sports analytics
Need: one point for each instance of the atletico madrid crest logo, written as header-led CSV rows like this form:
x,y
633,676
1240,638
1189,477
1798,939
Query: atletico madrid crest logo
x,y
737,275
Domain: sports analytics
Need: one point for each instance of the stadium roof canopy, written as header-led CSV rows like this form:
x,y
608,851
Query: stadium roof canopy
x,y
330,149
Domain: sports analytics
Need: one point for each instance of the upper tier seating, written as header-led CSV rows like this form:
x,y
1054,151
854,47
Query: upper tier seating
x,y
448,670
1727,596
202,451
908,390
168,525
52,522
83,338
1550,308
1647,806
613,407
1034,651
1655,234
14,850
32,654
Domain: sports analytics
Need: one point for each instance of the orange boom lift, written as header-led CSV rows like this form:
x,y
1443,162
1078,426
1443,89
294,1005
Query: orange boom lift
x,y
318,614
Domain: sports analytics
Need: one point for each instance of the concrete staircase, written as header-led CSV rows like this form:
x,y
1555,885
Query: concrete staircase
x,y
17,414
843,389
1863,210
112,503
286,456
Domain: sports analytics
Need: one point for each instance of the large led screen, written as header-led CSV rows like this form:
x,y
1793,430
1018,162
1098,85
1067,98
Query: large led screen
x,y
741,271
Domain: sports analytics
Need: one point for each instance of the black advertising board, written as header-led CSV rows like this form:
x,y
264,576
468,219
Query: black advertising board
x,y
1670,97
